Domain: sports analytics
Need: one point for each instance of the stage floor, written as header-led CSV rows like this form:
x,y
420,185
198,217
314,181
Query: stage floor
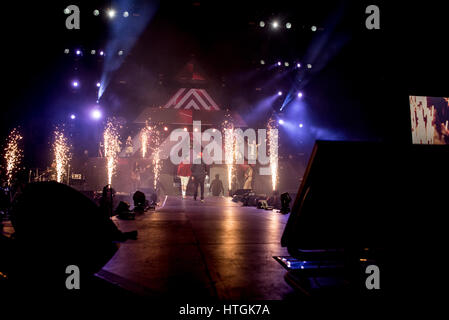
x,y
208,251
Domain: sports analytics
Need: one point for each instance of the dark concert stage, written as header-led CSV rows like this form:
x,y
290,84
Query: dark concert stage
x,y
202,251
200,153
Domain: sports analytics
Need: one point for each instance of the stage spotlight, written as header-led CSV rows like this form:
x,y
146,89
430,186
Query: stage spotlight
x,y
165,129
66,51
185,129
288,25
125,14
261,24
75,84
280,121
313,28
92,51
196,129
98,84
262,61
66,11
95,114
101,53
78,52
300,125
279,63
299,94
111,13
279,93
96,12
275,24
309,66
286,64
120,52
72,116
298,65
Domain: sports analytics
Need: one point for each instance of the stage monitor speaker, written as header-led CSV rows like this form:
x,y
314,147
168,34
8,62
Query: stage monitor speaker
x,y
357,194
385,204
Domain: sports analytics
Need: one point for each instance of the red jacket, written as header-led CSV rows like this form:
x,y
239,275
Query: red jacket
x,y
184,170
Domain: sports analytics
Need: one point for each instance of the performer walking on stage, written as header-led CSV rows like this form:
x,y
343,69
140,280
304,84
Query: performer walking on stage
x,y
184,174
199,172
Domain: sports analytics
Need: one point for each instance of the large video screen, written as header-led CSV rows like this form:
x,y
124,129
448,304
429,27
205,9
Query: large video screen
x,y
430,120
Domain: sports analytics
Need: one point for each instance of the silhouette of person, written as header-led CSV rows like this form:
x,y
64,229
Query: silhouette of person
x,y
184,174
216,186
199,172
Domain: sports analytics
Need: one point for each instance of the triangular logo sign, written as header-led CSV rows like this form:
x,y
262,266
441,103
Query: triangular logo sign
x,y
197,99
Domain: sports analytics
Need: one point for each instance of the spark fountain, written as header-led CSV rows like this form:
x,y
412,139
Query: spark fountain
x,y
144,135
155,148
111,147
273,137
229,153
156,168
13,154
61,149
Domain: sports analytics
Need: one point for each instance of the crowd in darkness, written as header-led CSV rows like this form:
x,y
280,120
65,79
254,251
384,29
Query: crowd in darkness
x,y
74,230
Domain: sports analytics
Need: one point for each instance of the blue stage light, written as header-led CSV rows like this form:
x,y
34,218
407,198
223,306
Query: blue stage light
x,y
96,114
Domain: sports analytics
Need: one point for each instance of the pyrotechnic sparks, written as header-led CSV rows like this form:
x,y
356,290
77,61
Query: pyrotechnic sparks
x,y
111,139
13,154
61,149
156,168
273,137
150,142
155,148
230,147
144,135
229,153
